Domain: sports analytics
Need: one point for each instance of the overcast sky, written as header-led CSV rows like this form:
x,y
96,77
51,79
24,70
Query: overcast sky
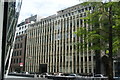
x,y
43,8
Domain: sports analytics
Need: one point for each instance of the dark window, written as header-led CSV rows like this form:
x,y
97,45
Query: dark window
x,y
17,45
13,60
81,59
17,60
90,71
85,70
20,28
20,60
77,22
17,53
81,70
20,52
89,58
21,45
86,58
89,8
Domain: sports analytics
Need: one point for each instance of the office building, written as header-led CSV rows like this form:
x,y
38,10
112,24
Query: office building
x,y
50,43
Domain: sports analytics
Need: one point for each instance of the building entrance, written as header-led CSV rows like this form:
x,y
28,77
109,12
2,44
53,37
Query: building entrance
x,y
43,68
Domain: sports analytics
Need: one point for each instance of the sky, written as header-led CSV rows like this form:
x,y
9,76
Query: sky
x,y
43,8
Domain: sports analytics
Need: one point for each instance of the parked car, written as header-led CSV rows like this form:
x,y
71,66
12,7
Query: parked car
x,y
98,75
24,72
46,74
58,74
74,75
12,72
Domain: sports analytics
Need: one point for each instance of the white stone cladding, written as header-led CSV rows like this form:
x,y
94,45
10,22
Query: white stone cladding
x,y
51,41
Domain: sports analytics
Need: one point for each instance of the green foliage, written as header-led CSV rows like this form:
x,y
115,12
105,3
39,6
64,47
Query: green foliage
x,y
99,20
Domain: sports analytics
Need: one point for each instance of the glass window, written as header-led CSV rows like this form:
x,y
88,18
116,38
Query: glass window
x,y
89,58
58,36
86,58
19,32
19,60
81,59
19,28
20,52
22,32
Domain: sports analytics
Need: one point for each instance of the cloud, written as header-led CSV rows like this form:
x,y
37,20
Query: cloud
x,y
43,7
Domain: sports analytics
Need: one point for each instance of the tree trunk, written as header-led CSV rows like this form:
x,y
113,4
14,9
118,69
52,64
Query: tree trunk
x,y
110,76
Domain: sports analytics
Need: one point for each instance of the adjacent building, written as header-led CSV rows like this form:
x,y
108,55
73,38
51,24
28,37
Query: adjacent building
x,y
50,43
18,56
8,20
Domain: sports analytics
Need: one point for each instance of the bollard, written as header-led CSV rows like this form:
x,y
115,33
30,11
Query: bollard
x,y
43,76
35,76
39,76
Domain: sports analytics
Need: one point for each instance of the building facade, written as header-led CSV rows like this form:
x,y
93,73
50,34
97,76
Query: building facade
x,y
50,43
18,56
8,21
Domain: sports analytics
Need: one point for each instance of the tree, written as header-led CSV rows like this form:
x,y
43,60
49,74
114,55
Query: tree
x,y
105,22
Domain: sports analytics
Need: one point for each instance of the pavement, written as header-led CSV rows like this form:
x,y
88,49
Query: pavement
x,y
26,79
23,78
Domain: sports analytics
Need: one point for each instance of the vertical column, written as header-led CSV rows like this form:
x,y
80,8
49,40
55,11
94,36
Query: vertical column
x,y
84,52
65,42
73,49
1,28
62,43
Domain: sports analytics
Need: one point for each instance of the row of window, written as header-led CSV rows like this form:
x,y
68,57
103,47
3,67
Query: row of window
x,y
16,61
18,45
59,28
22,27
19,33
17,53
73,13
20,38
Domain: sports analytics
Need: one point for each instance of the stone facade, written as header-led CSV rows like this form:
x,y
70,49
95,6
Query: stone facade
x,y
51,41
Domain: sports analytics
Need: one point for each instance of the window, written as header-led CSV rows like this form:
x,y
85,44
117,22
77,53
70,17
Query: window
x,y
22,32
66,35
13,60
22,27
17,53
19,28
86,58
89,58
77,22
81,70
81,59
19,32
17,60
58,36
20,60
15,46
79,11
21,37
21,45
25,31
20,52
